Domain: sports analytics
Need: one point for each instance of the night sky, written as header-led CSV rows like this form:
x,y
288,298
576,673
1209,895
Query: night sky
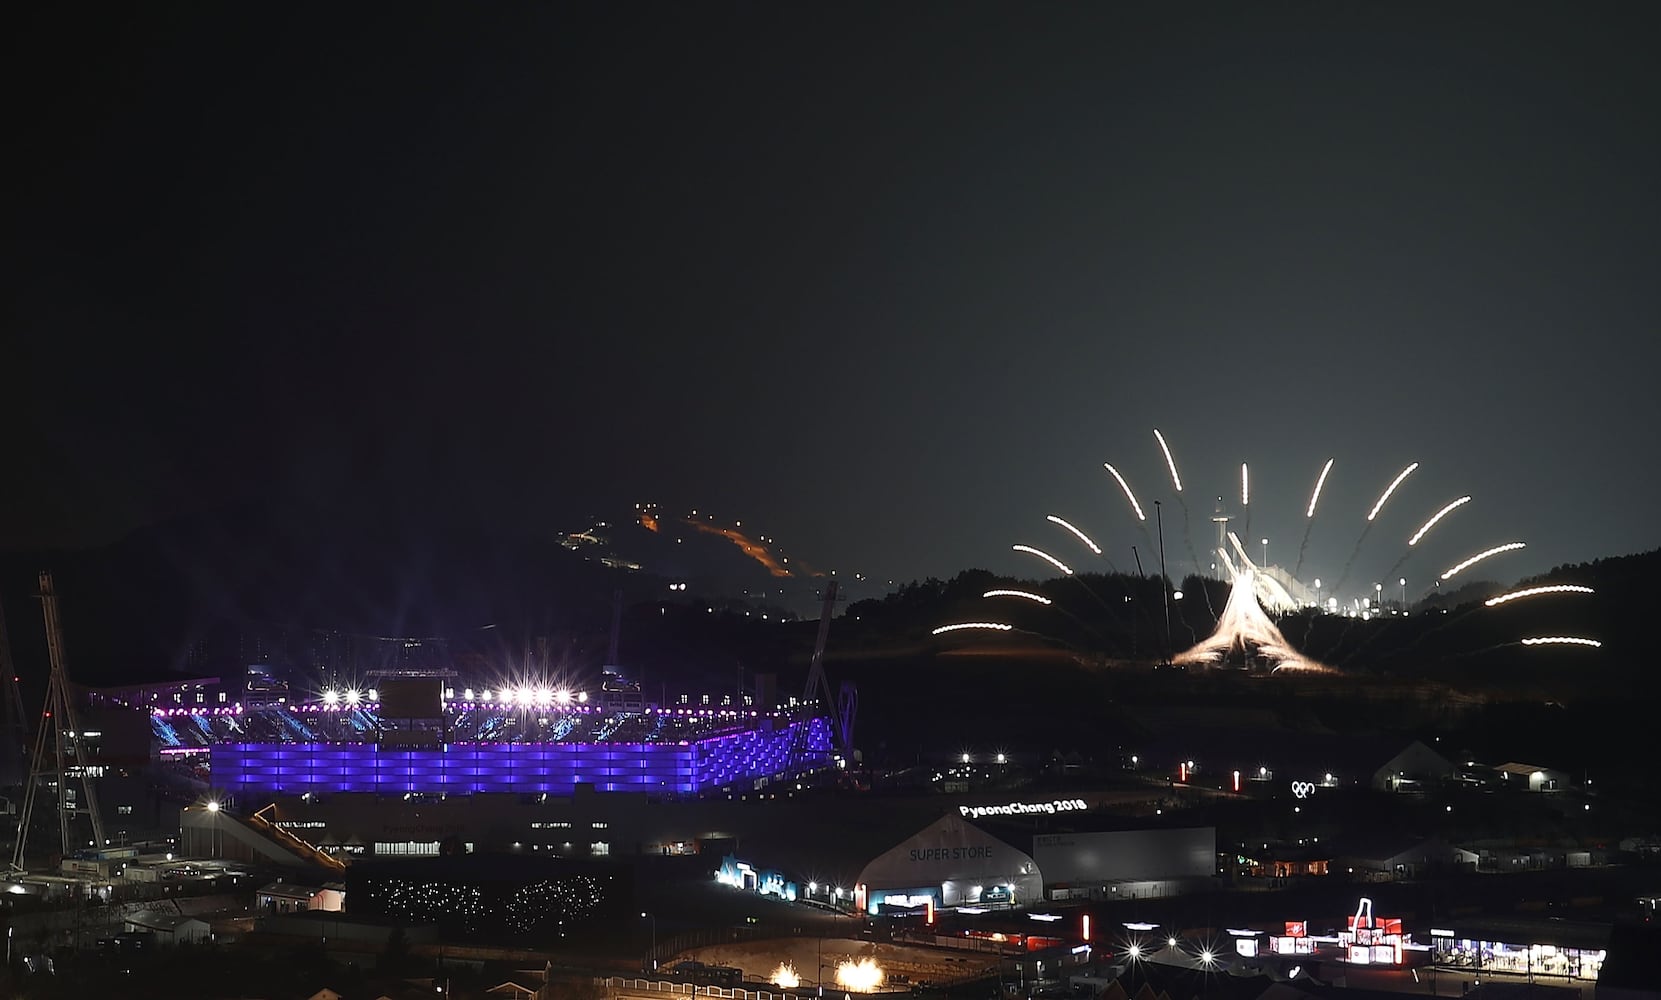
x,y
889,282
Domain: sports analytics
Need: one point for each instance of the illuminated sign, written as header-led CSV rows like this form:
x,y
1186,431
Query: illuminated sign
x,y
1303,789
950,853
1440,932
1024,808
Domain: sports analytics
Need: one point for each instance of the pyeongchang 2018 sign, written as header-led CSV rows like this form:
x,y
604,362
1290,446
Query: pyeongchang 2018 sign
x,y
1023,809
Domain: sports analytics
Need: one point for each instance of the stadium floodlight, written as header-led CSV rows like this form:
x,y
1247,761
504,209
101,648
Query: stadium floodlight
x,y
353,696
331,696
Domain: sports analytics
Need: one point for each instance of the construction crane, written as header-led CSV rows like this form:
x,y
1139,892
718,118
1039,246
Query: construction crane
x,y
65,761
14,728
842,710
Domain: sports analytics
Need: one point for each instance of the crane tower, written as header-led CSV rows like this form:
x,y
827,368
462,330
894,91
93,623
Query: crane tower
x,y
64,761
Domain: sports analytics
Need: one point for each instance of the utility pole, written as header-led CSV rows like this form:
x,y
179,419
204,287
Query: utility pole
x,y
66,761
1164,581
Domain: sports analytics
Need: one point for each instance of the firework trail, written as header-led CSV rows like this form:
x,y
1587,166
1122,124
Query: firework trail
x,y
1309,517
1562,640
1040,553
1560,588
1246,497
1345,575
1022,594
1485,553
960,626
1141,518
1176,480
1444,512
1128,494
1187,521
1081,536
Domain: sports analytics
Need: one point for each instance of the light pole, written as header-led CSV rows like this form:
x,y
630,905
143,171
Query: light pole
x,y
213,829
1404,593
1378,595
1317,593
1265,561
1164,581
652,955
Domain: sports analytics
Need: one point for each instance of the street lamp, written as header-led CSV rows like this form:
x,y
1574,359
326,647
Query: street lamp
x,y
1317,591
1265,561
213,829
653,954
1404,593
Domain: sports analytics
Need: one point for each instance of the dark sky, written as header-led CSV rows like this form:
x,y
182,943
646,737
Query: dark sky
x,y
887,281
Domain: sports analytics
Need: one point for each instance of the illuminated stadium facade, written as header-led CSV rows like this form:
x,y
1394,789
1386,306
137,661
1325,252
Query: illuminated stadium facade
x,y
551,768
532,770
419,736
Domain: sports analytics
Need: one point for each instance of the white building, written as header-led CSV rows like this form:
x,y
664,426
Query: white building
x,y
287,897
1125,864
169,928
954,863
1532,777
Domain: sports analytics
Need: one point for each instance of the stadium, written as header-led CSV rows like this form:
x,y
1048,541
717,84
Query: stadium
x,y
401,767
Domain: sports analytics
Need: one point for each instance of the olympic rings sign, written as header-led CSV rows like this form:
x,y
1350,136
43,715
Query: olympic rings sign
x,y
1303,789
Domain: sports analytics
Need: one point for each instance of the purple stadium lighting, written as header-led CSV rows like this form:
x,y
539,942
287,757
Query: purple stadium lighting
x,y
518,768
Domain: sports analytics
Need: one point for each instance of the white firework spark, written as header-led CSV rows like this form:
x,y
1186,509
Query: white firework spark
x,y
1246,630
1245,486
1496,550
1053,519
1320,482
960,626
1444,512
1176,480
1128,494
1040,553
1558,588
1391,489
1022,594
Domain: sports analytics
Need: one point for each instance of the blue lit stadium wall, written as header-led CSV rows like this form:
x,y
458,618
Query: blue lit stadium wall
x,y
555,768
